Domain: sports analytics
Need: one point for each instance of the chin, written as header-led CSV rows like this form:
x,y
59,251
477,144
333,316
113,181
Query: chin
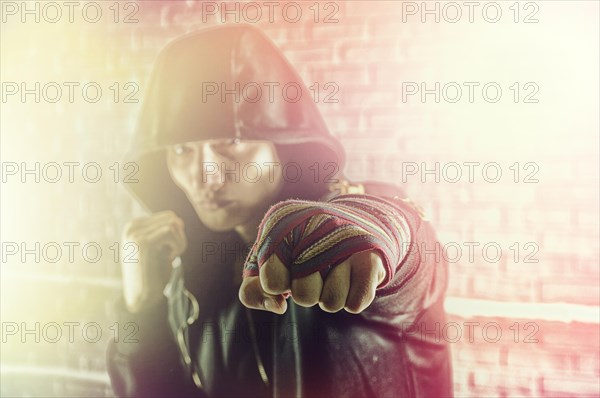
x,y
219,224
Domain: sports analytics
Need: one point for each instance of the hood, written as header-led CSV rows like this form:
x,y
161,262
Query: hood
x,y
191,96
178,108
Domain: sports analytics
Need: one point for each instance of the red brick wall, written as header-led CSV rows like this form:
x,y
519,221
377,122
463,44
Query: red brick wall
x,y
548,291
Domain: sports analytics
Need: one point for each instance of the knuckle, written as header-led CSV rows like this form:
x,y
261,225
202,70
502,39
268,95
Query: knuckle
x,y
304,297
271,283
141,240
357,303
354,306
273,276
307,290
333,298
244,292
169,213
129,228
331,306
130,237
331,310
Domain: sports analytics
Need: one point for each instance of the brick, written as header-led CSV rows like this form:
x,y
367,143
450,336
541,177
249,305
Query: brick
x,y
477,356
570,386
303,55
375,53
389,26
572,290
342,75
344,122
366,96
576,335
559,242
364,8
490,380
546,360
390,73
587,363
329,32
380,118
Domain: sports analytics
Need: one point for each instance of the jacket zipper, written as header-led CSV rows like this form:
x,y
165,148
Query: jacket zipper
x,y
181,338
186,354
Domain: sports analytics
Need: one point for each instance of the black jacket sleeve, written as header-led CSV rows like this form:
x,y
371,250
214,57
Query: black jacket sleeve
x,y
405,353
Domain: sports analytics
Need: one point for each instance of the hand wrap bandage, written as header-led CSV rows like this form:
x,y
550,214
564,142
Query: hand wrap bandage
x,y
310,237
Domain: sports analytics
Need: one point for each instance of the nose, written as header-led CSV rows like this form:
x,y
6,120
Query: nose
x,y
208,169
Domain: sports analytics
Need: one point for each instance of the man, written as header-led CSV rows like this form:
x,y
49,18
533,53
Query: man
x,y
335,290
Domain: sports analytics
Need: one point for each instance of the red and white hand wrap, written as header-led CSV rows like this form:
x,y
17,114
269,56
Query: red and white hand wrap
x,y
310,237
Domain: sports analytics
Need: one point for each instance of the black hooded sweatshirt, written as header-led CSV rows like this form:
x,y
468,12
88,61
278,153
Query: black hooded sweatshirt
x,y
200,341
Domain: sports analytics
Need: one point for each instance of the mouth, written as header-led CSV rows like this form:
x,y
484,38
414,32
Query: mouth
x,y
214,204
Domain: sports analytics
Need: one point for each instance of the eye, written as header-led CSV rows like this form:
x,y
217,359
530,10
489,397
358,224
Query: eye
x,y
226,147
179,149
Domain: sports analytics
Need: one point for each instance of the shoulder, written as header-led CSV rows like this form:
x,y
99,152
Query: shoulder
x,y
375,188
390,192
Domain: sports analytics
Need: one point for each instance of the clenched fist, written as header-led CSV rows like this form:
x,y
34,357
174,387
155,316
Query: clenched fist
x,y
319,253
159,239
351,285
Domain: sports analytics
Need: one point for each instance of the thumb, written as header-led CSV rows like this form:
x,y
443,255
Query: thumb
x,y
253,296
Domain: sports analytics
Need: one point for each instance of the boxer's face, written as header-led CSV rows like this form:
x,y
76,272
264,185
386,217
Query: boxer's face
x,y
230,183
